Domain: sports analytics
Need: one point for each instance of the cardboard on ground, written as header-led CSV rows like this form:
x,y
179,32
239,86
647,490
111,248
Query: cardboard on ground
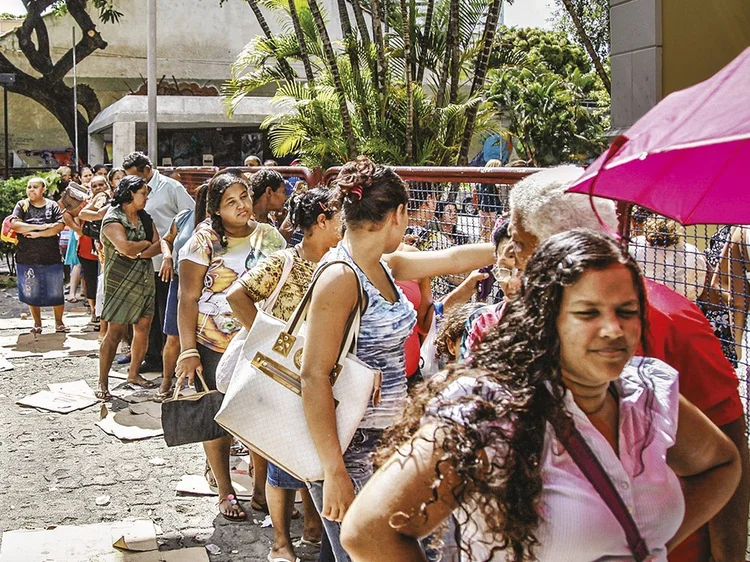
x,y
86,543
62,397
125,432
242,481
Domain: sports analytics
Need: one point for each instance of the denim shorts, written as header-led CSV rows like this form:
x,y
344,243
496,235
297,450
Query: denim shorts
x,y
170,314
279,478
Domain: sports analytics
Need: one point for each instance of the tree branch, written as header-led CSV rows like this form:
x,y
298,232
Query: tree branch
x,y
90,42
38,55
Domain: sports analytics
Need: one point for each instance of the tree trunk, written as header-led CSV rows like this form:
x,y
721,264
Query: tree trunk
x,y
455,61
359,17
480,72
449,40
377,33
285,68
583,36
302,43
408,62
350,42
424,45
330,57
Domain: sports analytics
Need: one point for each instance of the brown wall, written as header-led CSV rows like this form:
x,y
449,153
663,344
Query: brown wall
x,y
699,38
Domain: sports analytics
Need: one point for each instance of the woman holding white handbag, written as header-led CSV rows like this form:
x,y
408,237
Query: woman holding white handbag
x,y
374,201
278,283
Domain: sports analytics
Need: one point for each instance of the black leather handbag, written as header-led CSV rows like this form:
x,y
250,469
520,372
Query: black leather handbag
x,y
190,419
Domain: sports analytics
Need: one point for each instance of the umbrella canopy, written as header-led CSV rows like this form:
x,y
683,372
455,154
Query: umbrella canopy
x,y
689,157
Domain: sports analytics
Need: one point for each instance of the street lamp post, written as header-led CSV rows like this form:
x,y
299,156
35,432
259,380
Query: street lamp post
x,y
153,146
6,78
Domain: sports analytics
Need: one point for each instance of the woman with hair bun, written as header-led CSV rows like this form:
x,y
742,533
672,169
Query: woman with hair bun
x,y
316,213
222,248
374,211
492,444
129,240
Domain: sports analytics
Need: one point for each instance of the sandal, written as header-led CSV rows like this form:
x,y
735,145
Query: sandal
x,y
72,300
302,541
263,508
62,329
103,395
162,396
235,512
238,449
147,384
272,558
36,330
210,478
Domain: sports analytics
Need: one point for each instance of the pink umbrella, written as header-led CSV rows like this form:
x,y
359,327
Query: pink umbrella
x,y
689,157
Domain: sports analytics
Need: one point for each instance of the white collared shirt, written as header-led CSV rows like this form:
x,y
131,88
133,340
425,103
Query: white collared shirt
x,y
168,197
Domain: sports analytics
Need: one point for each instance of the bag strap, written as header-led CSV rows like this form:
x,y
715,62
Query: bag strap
x,y
269,303
592,469
349,341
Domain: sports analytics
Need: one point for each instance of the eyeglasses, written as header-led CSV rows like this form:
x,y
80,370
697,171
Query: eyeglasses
x,y
502,274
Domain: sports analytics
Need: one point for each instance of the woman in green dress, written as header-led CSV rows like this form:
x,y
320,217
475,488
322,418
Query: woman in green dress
x,y
129,240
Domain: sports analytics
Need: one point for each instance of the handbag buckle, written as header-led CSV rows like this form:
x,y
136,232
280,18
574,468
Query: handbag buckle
x,y
377,387
284,344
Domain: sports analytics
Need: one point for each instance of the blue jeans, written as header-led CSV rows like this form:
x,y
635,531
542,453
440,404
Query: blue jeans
x,y
358,462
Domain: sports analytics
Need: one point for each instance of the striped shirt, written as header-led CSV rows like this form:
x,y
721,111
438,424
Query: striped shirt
x,y
383,330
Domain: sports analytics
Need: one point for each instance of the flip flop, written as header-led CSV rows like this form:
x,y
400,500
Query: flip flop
x,y
62,329
36,330
162,396
145,385
72,300
302,541
232,501
103,395
271,558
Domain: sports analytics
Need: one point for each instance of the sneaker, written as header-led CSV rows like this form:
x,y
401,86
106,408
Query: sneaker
x,y
123,359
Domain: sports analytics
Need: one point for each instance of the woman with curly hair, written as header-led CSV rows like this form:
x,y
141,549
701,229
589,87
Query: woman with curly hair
x,y
221,249
488,443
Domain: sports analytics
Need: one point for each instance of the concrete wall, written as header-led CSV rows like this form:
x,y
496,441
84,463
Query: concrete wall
x,y
700,38
197,42
660,46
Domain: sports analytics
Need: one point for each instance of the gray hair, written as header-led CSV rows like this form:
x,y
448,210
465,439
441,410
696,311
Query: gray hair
x,y
541,203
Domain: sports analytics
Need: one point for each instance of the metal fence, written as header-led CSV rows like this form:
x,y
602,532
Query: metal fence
x,y
709,265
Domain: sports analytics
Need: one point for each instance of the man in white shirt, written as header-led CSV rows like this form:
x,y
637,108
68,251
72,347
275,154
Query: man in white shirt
x,y
167,198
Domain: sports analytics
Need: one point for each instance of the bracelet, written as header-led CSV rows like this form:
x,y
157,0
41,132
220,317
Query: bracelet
x,y
188,353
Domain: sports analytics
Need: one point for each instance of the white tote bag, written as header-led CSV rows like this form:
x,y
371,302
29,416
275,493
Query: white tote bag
x,y
228,362
263,403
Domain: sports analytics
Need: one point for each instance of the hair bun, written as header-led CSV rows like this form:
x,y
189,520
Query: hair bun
x,y
355,177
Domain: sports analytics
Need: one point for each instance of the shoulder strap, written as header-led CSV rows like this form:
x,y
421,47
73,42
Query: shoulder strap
x,y
273,297
592,469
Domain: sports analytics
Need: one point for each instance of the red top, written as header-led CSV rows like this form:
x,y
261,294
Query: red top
x,y
412,346
680,335
86,248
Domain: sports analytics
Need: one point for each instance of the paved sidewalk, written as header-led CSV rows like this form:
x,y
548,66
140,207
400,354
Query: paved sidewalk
x,y
54,466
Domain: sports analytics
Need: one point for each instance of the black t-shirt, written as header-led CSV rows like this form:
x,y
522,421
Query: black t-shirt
x,y
38,251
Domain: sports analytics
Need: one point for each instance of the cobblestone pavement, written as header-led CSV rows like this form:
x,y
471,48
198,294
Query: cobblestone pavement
x,y
54,466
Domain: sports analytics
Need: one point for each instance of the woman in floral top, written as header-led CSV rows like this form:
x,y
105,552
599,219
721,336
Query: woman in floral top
x,y
222,248
316,214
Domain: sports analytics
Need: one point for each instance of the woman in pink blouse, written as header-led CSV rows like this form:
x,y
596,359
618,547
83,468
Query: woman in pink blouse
x,y
485,443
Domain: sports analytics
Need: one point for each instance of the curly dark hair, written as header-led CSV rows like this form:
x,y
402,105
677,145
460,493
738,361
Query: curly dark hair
x,y
452,325
209,199
369,191
305,207
521,356
124,192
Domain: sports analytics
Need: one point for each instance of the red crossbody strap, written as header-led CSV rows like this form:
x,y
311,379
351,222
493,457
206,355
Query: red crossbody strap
x,y
592,469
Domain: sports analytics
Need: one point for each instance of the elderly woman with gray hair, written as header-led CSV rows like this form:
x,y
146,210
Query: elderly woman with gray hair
x,y
676,332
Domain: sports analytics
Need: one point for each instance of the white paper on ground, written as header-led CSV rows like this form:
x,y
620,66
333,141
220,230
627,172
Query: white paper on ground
x,y
242,481
137,536
62,397
5,365
124,432
88,543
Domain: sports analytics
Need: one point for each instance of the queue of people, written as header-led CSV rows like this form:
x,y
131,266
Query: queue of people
x,y
589,415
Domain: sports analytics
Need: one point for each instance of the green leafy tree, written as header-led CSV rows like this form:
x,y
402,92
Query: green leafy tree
x,y
45,81
408,92
549,97
587,23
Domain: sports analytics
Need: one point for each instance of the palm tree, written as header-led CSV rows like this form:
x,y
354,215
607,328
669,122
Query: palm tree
x,y
408,65
377,33
451,39
283,64
300,34
480,72
333,67
425,40
583,36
